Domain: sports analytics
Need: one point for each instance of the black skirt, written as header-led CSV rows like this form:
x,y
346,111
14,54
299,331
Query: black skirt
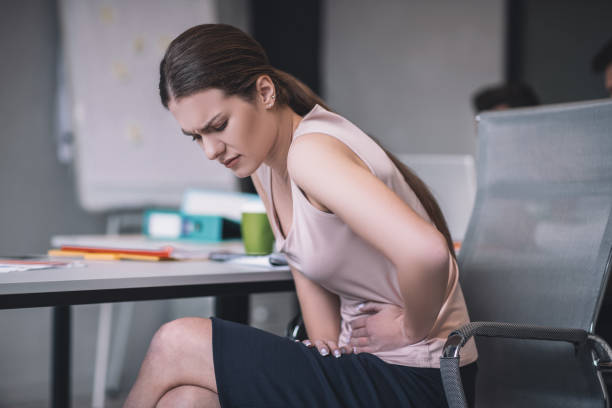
x,y
257,369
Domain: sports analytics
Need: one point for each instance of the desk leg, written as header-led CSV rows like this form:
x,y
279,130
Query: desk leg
x,y
60,370
233,308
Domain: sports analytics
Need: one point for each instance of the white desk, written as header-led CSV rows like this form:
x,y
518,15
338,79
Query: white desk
x,y
118,281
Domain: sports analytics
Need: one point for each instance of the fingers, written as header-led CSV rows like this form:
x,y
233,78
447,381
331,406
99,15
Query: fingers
x,y
365,307
359,342
361,345
363,332
366,349
327,347
370,307
346,350
359,322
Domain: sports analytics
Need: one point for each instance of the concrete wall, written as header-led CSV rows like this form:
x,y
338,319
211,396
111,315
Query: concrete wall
x,y
404,71
560,39
38,200
37,196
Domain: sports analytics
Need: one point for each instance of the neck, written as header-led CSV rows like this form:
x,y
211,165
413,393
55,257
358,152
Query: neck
x,y
287,122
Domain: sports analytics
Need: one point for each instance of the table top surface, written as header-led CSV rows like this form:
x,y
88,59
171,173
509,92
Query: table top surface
x,y
99,275
125,280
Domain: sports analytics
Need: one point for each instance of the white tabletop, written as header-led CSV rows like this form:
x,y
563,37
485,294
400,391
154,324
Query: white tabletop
x,y
98,275
132,280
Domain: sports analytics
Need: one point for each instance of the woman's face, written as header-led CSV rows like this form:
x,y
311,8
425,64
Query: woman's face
x,y
237,133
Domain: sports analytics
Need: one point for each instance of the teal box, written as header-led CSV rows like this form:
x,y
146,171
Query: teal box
x,y
209,228
171,224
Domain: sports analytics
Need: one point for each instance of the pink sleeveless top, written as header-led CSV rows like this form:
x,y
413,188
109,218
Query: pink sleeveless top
x,y
322,247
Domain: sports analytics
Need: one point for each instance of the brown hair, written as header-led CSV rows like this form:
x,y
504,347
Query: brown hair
x,y
222,57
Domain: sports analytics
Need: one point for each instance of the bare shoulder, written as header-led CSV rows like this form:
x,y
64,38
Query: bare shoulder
x,y
319,149
313,156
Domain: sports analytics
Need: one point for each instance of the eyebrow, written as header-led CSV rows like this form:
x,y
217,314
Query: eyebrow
x,y
204,128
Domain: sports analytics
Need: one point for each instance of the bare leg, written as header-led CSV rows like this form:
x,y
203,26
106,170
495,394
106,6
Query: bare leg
x,y
189,396
180,354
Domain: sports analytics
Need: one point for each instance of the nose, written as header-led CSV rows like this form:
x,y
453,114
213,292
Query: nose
x,y
213,148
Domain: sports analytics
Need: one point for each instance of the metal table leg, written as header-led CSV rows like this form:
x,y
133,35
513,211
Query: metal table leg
x,y
60,364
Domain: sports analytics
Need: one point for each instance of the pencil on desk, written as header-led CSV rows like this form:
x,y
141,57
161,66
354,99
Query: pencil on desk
x,y
139,257
100,256
60,252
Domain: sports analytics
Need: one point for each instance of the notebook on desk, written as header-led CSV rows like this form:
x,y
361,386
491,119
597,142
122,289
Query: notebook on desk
x,y
140,246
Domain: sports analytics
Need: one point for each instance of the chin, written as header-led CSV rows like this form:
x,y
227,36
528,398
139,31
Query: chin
x,y
244,173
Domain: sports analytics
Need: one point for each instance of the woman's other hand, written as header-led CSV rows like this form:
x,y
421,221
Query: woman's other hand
x,y
382,329
327,347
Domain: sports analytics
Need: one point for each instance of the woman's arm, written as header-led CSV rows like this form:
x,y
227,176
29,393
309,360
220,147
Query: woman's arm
x,y
341,182
320,308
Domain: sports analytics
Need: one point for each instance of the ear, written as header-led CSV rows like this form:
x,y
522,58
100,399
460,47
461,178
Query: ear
x,y
266,93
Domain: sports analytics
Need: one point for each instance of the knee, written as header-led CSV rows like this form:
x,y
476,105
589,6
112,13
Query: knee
x,y
188,396
173,338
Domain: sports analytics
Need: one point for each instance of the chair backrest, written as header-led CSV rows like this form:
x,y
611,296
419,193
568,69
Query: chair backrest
x,y
538,247
451,178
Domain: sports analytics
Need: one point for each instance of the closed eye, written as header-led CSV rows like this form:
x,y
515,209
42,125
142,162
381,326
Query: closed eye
x,y
208,129
220,127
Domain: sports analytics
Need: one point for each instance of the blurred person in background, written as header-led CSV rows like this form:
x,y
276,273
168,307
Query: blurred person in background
x,y
506,96
602,62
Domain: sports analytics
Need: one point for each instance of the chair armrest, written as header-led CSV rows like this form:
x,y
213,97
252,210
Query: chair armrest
x,y
449,362
603,352
296,330
457,339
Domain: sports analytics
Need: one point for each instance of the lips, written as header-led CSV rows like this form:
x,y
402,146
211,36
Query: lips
x,y
231,162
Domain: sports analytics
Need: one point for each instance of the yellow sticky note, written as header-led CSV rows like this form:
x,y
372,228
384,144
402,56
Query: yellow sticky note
x,y
120,71
106,14
134,133
138,44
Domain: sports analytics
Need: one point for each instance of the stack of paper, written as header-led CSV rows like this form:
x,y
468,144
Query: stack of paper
x,y
20,265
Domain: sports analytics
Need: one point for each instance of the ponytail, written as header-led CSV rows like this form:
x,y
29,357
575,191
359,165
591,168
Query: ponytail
x,y
294,93
426,198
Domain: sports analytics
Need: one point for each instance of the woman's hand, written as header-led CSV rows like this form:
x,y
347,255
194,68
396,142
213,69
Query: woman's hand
x,y
383,328
326,347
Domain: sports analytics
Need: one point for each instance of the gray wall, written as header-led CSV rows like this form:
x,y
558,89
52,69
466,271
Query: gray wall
x,y
560,39
404,71
37,196
38,200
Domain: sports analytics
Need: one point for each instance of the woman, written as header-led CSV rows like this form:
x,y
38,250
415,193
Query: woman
x,y
369,250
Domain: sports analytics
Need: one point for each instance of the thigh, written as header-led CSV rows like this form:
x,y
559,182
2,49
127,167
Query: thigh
x,y
254,368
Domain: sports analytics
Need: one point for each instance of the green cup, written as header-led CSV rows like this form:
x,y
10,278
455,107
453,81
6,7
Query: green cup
x,y
256,232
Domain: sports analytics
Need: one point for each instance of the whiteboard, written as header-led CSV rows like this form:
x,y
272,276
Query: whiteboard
x,y
129,151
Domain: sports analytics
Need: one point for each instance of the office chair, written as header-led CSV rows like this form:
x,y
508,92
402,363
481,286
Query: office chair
x,y
536,259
